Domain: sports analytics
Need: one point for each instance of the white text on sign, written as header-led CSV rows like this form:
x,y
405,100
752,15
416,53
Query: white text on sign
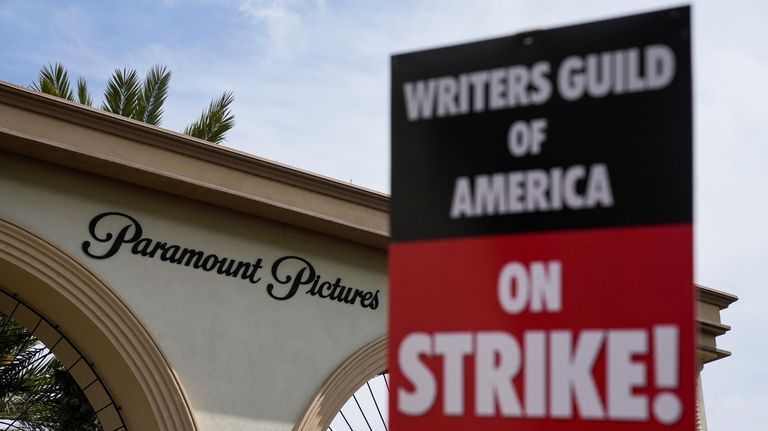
x,y
542,373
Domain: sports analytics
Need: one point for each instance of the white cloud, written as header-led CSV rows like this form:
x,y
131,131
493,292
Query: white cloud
x,y
281,21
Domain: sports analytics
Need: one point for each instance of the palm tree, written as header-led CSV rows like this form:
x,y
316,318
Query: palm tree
x,y
36,392
130,97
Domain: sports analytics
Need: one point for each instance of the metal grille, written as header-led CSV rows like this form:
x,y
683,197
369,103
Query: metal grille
x,y
45,382
367,409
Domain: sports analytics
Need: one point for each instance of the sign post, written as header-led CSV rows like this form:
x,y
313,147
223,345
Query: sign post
x,y
541,257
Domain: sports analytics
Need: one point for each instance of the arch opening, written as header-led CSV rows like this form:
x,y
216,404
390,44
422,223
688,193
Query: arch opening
x,y
45,382
366,409
119,348
341,385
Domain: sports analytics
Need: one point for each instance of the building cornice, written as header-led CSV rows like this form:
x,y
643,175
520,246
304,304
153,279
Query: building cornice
x,y
715,297
82,115
317,203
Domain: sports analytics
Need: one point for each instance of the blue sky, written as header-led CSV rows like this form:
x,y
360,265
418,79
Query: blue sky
x,y
311,80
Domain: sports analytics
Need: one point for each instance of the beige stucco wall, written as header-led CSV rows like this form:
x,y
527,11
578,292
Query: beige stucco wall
x,y
246,361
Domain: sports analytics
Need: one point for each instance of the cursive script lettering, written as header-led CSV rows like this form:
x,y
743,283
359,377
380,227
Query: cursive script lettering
x,y
129,231
303,276
110,231
118,240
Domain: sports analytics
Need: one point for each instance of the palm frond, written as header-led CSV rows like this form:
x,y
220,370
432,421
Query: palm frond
x,y
215,122
27,390
83,96
36,392
126,95
153,94
122,94
54,80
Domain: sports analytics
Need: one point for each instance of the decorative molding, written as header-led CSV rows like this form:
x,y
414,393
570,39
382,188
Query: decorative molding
x,y
365,364
191,188
712,328
85,116
707,354
715,297
100,305
118,148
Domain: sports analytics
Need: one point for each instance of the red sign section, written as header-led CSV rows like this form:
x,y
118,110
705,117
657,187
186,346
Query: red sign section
x,y
543,328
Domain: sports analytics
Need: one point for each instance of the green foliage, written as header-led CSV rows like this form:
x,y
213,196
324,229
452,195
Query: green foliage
x,y
36,392
83,96
130,97
122,94
152,97
215,121
54,80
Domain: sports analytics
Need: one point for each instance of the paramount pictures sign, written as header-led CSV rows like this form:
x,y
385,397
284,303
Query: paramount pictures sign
x,y
113,232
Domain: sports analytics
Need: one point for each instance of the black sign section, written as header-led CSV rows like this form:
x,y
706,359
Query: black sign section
x,y
112,231
571,128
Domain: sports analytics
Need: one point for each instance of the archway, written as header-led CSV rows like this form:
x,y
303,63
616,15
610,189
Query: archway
x,y
102,327
46,382
355,372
